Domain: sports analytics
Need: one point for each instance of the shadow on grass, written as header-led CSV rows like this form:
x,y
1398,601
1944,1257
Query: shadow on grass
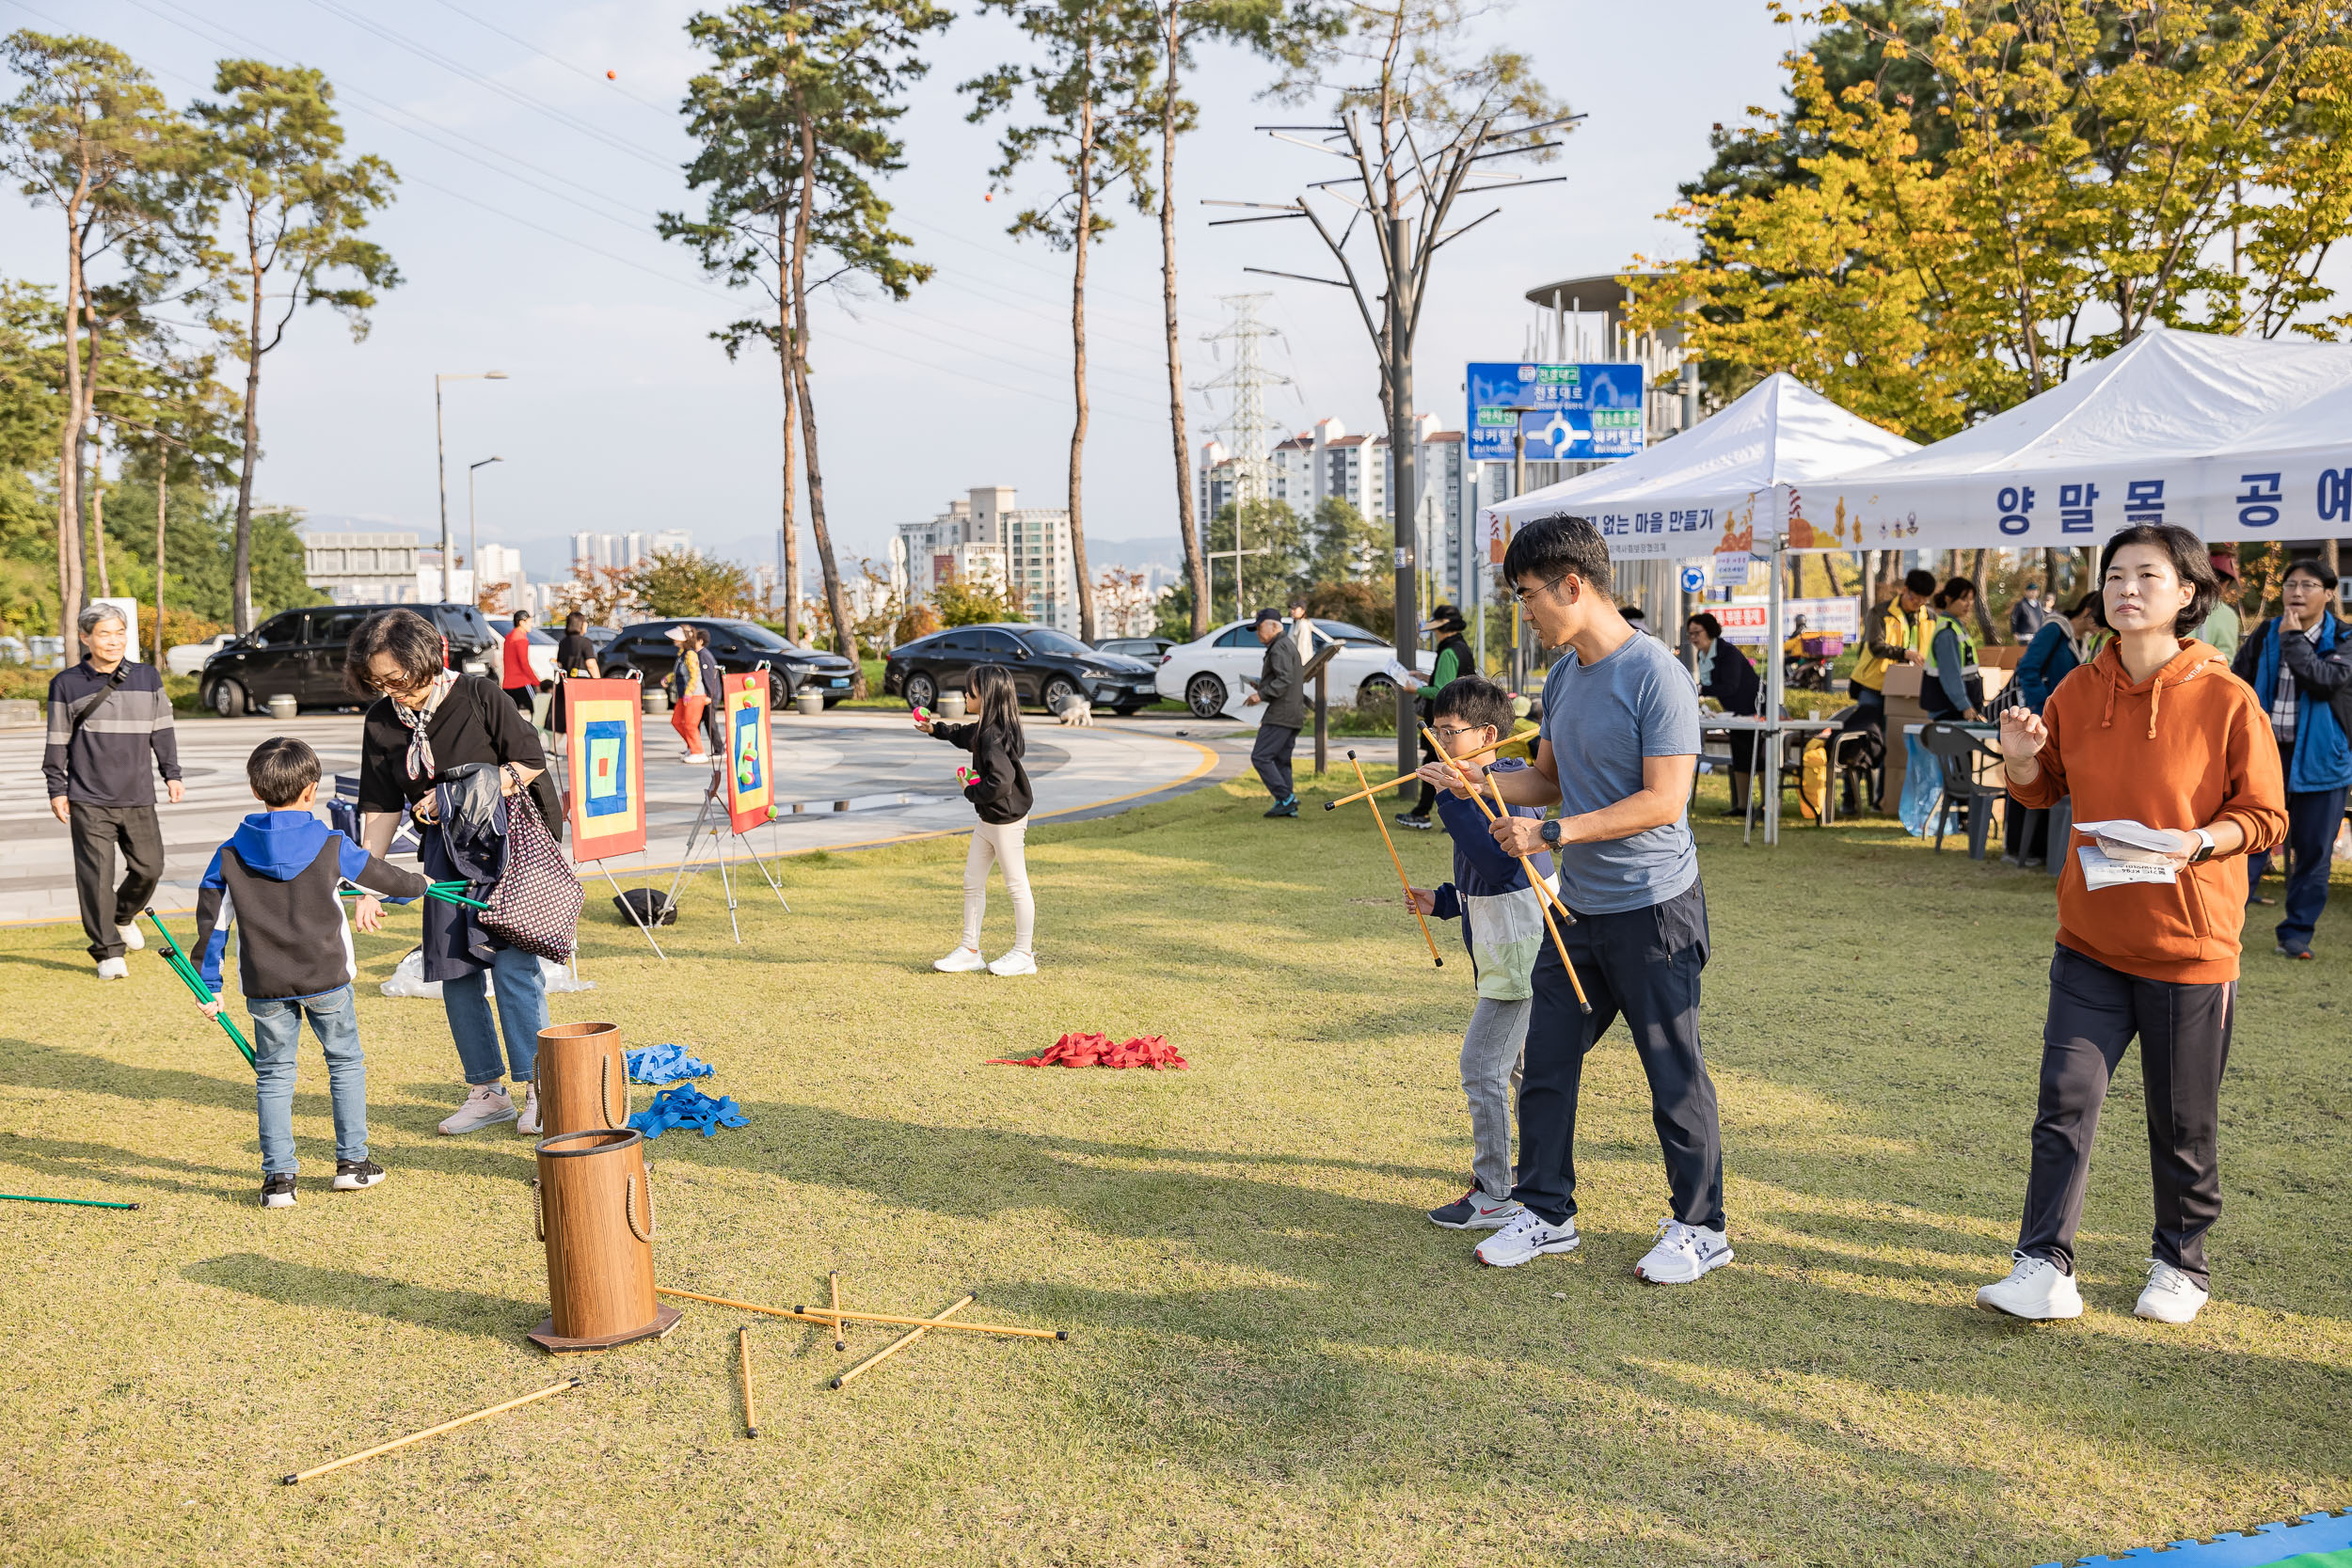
x,y
475,1312
30,960
105,1163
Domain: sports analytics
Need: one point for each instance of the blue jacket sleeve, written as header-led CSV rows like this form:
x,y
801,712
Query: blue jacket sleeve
x,y
363,870
1449,903
213,917
2033,666
1476,847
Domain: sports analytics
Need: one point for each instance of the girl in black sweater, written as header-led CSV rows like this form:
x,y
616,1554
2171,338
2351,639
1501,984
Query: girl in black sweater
x,y
999,791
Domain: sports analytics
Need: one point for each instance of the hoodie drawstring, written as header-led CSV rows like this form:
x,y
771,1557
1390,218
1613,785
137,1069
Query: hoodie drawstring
x,y
2156,695
2117,680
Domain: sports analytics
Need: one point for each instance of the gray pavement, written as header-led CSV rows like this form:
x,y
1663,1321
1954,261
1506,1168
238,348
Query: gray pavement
x,y
843,780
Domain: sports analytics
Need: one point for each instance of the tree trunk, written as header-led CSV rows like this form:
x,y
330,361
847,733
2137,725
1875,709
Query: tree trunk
x,y
837,602
98,509
1977,574
790,564
241,593
2326,556
163,502
70,450
2050,568
1187,524
1085,234
1401,487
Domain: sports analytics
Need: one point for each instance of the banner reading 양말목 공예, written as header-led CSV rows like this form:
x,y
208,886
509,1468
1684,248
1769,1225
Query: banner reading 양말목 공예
x,y
751,786
604,768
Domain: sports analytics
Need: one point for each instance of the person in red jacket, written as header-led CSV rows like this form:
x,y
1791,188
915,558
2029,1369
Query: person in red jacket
x,y
2153,730
520,682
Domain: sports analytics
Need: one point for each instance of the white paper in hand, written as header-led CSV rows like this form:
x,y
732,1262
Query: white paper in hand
x,y
1410,679
2130,834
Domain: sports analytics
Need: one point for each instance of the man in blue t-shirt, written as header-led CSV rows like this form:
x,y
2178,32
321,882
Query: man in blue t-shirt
x,y
1620,741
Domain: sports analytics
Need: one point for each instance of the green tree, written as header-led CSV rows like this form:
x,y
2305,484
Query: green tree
x,y
796,121
971,604
1282,553
1097,104
673,583
1348,545
296,212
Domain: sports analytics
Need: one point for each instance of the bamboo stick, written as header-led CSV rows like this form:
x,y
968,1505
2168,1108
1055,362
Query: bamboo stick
x,y
77,1202
1382,823
429,1431
802,1314
901,1342
743,1357
833,1283
1527,733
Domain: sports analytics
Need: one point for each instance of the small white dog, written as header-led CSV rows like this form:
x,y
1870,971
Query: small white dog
x,y
1075,710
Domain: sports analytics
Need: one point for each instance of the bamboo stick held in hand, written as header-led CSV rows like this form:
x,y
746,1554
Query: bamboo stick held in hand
x,y
1380,823
1528,734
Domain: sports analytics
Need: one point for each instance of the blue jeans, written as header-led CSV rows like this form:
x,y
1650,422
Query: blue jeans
x,y
522,1009
2311,819
276,1032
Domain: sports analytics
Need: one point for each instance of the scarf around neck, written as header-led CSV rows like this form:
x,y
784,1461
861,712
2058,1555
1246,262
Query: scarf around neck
x,y
420,748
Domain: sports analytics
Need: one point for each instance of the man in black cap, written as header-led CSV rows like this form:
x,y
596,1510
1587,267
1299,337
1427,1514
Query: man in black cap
x,y
1283,694
1455,659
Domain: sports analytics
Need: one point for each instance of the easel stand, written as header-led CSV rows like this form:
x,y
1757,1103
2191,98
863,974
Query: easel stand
x,y
718,836
621,898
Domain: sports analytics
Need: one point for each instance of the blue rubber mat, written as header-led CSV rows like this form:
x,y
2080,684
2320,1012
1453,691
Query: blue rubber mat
x,y
2265,1547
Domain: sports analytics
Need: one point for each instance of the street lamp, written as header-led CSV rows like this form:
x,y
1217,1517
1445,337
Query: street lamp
x,y
440,459
473,542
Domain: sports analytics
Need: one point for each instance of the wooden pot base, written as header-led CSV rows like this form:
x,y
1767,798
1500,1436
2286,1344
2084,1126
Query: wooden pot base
x,y
545,1337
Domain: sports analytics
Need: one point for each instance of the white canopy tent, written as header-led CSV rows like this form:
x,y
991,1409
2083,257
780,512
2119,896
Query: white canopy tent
x,y
2236,438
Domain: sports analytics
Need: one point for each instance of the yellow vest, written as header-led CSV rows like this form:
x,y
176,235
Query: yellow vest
x,y
1893,626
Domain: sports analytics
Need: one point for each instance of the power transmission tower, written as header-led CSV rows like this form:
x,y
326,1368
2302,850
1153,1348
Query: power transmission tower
x,y
1245,428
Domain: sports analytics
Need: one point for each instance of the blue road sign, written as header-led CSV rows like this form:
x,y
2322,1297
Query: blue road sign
x,y
1693,580
1570,413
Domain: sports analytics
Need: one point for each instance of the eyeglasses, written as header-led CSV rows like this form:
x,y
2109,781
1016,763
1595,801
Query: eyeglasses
x,y
397,688
1523,596
1458,729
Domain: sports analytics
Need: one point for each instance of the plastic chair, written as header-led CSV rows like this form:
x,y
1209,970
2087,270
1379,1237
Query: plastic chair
x,y
1957,754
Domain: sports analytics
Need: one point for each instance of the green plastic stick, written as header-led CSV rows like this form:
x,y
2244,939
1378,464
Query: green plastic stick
x,y
78,1202
188,976
437,890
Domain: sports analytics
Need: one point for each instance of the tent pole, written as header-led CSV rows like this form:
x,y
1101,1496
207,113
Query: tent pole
x,y
1774,672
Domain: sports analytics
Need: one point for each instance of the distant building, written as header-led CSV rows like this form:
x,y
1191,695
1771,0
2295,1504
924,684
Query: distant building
x,y
362,568
624,551
671,541
497,563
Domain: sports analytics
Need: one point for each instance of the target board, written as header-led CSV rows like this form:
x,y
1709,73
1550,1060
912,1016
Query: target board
x,y
604,728
751,786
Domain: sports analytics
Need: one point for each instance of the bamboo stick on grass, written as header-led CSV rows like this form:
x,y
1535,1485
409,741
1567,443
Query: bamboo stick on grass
x,y
743,1360
833,1283
901,1342
802,1314
550,1390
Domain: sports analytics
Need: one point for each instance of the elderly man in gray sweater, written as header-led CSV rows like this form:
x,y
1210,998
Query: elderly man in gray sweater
x,y
1284,696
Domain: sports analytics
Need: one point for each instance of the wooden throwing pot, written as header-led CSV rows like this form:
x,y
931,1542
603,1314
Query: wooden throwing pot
x,y
581,1075
596,1214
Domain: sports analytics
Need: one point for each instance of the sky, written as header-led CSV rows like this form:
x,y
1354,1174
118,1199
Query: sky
x,y
530,178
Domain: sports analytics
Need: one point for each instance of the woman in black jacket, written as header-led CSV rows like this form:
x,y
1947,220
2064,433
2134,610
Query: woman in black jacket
x,y
1732,681
999,788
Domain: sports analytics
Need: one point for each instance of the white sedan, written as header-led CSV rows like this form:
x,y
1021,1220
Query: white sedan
x,y
188,658
1212,674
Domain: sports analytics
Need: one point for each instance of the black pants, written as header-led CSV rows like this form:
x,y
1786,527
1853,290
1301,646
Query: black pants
x,y
1271,757
2184,1045
524,697
2313,818
1869,713
1643,963
2025,834
98,830
1428,800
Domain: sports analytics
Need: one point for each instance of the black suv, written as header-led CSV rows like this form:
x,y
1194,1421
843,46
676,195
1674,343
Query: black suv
x,y
1046,666
299,652
740,647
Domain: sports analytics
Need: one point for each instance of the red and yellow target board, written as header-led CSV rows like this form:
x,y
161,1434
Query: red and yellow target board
x,y
751,785
604,729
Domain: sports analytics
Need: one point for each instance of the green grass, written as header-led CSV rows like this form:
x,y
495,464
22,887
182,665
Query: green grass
x,y
1274,1359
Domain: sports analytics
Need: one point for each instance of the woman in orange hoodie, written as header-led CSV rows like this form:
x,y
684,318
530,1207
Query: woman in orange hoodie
x,y
2154,730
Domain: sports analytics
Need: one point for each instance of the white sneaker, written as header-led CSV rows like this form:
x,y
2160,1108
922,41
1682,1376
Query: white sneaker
x,y
130,937
487,1105
963,960
112,969
2171,1297
1527,1236
1683,1253
529,1120
2035,1290
1014,962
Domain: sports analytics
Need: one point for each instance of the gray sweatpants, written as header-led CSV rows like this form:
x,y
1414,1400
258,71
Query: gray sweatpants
x,y
1491,1050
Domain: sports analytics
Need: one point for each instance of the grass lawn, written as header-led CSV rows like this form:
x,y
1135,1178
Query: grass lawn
x,y
1274,1357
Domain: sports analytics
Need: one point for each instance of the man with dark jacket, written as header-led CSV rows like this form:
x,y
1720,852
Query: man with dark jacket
x,y
1284,696
2300,666
109,733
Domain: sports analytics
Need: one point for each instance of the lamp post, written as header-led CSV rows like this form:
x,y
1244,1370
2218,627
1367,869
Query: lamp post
x,y
473,542
440,459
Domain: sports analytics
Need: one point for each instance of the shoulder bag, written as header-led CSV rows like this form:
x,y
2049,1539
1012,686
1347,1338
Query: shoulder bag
x,y
535,904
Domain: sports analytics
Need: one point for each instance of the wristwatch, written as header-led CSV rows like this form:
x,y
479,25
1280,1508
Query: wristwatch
x,y
1550,832
2205,848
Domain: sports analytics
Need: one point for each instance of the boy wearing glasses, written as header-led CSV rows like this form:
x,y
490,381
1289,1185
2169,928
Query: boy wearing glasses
x,y
1503,925
1620,741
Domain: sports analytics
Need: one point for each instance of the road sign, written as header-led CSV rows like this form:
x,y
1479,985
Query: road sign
x,y
1570,413
1693,580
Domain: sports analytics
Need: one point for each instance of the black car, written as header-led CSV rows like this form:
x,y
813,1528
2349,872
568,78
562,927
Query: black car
x,y
1046,666
299,652
740,647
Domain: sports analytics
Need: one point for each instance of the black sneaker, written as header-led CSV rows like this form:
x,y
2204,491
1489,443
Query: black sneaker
x,y
1475,1211
1284,808
278,1192
1412,819
352,1174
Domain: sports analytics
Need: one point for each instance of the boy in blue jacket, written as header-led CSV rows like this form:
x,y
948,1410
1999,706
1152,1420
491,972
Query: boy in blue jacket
x,y
1503,925
277,880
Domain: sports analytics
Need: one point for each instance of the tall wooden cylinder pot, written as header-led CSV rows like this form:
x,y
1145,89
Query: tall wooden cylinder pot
x,y
582,1078
596,1214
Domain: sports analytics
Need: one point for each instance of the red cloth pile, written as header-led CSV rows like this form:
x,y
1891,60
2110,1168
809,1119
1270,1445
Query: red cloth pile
x,y
1151,1051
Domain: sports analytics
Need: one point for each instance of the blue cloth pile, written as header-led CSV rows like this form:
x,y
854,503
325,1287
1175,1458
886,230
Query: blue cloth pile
x,y
687,1106
664,1064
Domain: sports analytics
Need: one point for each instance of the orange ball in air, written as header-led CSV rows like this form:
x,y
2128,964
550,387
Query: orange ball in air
x,y
612,75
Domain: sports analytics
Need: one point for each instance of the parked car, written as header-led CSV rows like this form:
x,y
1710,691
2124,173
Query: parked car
x,y
299,652
542,649
1148,649
740,647
1217,670
1046,666
188,658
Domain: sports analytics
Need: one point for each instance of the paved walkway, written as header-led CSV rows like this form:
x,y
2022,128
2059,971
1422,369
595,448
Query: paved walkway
x,y
843,780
